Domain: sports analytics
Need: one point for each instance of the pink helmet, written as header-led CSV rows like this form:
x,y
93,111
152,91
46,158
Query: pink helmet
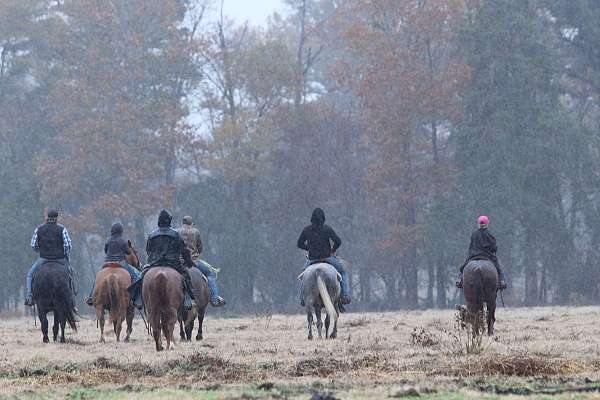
x,y
483,220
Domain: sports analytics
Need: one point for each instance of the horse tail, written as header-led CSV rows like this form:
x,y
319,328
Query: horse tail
x,y
326,298
115,305
162,295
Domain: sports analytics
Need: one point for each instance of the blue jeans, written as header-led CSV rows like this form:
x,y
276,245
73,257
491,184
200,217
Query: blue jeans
x,y
37,264
134,273
339,267
211,277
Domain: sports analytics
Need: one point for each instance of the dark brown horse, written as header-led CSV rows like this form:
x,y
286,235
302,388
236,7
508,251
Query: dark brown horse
x,y
111,294
480,283
52,293
202,295
162,291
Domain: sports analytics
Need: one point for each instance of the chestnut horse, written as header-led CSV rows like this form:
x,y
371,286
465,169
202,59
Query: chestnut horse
x,y
111,294
480,284
202,295
162,291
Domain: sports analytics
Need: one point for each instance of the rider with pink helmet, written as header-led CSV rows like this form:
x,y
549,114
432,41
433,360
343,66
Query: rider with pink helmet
x,y
483,247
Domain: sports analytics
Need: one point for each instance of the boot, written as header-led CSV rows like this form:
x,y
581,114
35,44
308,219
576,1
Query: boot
x,y
345,299
302,302
503,284
218,302
89,300
29,301
459,282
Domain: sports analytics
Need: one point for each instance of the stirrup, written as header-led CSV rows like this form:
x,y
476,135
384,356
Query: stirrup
x,y
218,302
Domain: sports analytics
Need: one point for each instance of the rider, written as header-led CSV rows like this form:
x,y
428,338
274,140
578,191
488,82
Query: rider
x,y
165,248
191,238
483,247
116,248
322,242
51,240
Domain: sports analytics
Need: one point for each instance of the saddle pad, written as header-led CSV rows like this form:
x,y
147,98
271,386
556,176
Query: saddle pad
x,y
111,265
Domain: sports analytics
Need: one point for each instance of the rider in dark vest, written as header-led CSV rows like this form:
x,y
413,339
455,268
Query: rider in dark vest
x,y
51,240
321,242
483,247
116,249
165,248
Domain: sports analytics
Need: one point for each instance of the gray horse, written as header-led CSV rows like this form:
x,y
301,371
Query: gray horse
x,y
202,295
480,284
321,289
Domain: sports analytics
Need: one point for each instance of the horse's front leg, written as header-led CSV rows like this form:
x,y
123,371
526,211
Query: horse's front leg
x,y
129,320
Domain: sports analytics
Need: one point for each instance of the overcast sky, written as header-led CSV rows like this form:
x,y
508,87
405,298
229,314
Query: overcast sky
x,y
254,11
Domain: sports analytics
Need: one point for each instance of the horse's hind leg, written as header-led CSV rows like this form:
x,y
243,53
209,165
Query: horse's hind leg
x,y
154,321
200,323
309,318
327,322
129,321
334,330
118,325
182,331
319,321
55,326
44,322
491,317
100,316
63,323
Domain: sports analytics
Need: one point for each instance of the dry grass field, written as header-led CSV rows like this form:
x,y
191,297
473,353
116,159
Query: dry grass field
x,y
536,353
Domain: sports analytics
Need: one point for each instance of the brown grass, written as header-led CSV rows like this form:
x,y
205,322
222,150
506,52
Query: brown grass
x,y
405,348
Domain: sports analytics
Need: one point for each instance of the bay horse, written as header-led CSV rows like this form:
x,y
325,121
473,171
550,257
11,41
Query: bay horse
x,y
52,293
162,291
202,295
480,285
321,289
133,259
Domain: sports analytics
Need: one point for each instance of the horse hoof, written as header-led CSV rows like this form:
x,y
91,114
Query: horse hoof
x,y
46,340
102,340
310,338
126,340
198,337
62,340
332,336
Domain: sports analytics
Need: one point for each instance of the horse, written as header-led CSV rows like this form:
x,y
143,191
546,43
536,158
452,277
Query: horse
x,y
480,285
111,294
202,295
52,293
132,259
162,291
321,289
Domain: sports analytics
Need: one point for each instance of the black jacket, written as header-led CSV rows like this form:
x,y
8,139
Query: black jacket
x,y
116,248
50,241
165,248
317,238
483,245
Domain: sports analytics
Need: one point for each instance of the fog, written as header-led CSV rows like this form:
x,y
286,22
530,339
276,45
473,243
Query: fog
x,y
403,120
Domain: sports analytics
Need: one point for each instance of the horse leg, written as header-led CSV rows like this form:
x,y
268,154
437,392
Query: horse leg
x,y
327,322
63,323
129,320
200,322
44,322
154,321
182,330
319,321
309,317
100,316
55,327
169,327
491,317
118,325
